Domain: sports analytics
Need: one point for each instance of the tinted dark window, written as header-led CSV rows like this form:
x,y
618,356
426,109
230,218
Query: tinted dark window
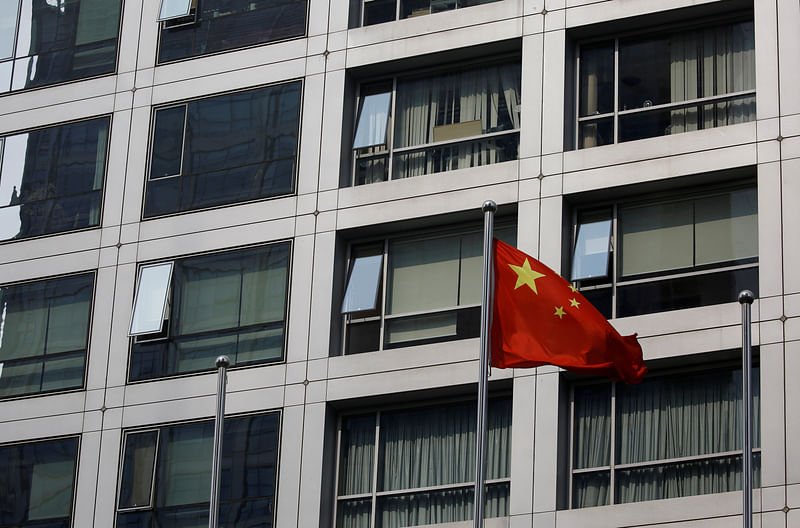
x,y
57,42
51,179
229,303
230,148
169,469
38,483
228,24
44,334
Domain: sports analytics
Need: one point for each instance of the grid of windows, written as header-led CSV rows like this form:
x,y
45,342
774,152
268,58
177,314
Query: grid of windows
x,y
44,334
38,484
224,149
165,479
650,255
232,303
416,466
670,436
378,11
44,43
51,179
665,83
193,28
414,125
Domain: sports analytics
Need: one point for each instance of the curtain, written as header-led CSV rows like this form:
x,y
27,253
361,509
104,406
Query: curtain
x,y
710,62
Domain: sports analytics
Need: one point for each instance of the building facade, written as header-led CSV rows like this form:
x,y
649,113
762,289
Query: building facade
x,y
297,184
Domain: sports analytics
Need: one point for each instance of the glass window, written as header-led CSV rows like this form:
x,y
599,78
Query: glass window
x,y
175,9
231,303
432,289
38,483
152,295
682,252
445,122
166,474
666,84
224,149
425,465
378,11
43,43
44,334
51,179
670,436
222,25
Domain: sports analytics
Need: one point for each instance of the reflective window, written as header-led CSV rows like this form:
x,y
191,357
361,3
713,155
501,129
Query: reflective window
x,y
175,9
51,179
152,295
444,122
691,250
424,470
378,11
38,483
670,436
44,43
44,334
166,474
220,25
430,290
674,82
231,303
225,149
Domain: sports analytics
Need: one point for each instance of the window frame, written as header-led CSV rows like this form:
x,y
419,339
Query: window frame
x,y
388,149
376,411
102,190
166,336
614,280
79,440
653,33
185,103
13,58
82,386
397,11
158,429
613,466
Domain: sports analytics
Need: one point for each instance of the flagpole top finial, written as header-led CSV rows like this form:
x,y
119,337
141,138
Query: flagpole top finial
x,y
489,206
223,361
746,296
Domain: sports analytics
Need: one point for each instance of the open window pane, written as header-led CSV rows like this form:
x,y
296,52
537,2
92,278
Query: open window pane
x,y
174,9
150,306
373,120
590,259
362,289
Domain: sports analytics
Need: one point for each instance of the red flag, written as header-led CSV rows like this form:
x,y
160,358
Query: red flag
x,y
541,319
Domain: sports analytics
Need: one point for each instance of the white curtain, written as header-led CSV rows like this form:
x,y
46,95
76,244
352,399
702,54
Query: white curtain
x,y
710,62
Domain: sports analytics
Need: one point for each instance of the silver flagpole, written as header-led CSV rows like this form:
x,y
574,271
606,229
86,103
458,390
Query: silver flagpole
x,y
746,299
213,510
489,208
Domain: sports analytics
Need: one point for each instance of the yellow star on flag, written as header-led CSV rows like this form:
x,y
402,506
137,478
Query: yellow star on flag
x,y
574,303
526,275
559,311
573,288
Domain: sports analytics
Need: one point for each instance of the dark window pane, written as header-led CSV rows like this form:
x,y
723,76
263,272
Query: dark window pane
x,y
38,482
52,178
238,147
138,464
378,11
600,299
167,142
590,489
250,457
597,79
685,292
644,73
372,170
45,334
229,24
456,156
135,519
596,133
363,337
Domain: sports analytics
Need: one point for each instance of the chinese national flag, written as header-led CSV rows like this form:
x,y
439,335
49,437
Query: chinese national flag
x,y
541,319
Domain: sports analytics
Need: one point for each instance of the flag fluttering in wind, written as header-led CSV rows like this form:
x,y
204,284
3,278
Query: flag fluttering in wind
x,y
541,319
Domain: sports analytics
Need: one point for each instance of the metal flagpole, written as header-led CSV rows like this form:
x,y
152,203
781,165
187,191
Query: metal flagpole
x,y
746,300
213,510
489,208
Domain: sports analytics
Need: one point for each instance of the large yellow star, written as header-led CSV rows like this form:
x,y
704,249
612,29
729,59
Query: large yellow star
x,y
525,275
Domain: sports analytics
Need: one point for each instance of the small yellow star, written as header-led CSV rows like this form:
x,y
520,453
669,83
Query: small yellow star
x,y
574,303
525,275
573,288
559,312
